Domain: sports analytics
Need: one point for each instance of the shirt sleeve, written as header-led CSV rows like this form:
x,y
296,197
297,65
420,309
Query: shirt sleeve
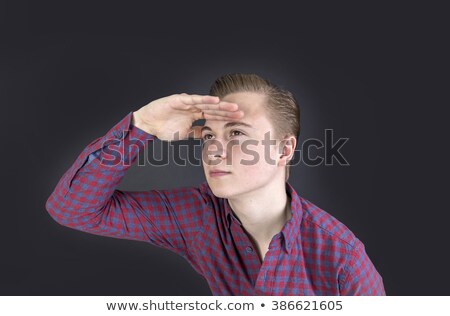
x,y
86,197
361,277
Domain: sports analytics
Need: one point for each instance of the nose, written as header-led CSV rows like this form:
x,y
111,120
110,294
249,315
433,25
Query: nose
x,y
214,149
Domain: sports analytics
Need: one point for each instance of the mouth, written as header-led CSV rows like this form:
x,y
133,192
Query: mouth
x,y
218,173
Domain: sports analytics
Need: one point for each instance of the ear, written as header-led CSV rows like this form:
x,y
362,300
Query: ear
x,y
287,150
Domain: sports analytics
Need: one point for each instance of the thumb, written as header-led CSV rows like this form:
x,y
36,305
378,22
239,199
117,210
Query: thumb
x,y
195,132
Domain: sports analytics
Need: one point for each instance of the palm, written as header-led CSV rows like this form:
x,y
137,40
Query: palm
x,y
174,115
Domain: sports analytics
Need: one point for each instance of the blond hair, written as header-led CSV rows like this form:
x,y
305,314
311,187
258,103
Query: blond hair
x,y
281,106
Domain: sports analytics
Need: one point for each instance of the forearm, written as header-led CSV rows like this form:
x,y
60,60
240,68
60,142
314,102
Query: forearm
x,y
89,184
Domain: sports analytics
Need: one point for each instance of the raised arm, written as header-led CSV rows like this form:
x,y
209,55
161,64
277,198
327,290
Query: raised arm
x,y
86,197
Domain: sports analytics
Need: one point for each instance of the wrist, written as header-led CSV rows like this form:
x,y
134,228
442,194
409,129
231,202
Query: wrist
x,y
139,123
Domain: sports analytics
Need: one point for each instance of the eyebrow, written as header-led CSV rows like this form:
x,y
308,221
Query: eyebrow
x,y
228,125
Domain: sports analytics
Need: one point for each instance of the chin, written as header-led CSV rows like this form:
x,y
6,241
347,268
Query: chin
x,y
219,190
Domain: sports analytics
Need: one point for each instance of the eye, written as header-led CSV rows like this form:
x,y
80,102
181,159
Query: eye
x,y
235,131
205,137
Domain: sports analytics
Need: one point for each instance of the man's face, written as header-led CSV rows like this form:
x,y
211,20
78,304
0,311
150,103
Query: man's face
x,y
248,153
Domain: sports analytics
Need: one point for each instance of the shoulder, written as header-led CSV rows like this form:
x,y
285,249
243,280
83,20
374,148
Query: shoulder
x,y
318,227
206,192
332,239
323,224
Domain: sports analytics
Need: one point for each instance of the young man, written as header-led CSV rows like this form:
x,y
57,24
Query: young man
x,y
245,229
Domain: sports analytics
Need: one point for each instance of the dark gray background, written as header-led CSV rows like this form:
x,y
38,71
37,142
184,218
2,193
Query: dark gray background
x,y
373,73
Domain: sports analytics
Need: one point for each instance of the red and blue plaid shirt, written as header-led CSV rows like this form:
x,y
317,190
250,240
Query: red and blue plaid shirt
x,y
314,254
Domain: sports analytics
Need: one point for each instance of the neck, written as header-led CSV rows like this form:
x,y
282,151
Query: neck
x,y
263,212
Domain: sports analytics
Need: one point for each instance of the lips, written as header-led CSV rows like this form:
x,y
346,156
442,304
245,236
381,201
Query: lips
x,y
217,172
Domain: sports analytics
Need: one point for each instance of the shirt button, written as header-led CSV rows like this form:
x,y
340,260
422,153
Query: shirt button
x,y
117,134
249,249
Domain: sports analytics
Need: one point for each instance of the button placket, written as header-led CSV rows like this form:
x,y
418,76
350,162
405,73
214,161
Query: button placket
x,y
250,257
271,260
263,282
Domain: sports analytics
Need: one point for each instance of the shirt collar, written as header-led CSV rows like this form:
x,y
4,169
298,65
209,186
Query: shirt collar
x,y
290,230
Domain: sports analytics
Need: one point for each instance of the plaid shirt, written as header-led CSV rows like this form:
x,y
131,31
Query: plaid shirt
x,y
314,254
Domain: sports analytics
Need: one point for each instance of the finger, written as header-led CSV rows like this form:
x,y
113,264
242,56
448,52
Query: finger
x,y
193,99
235,116
214,114
222,106
222,113
195,132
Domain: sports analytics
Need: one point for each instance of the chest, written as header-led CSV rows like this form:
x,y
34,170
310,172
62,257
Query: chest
x,y
233,264
262,248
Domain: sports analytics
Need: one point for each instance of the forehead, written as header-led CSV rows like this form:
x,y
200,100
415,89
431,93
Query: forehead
x,y
252,104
